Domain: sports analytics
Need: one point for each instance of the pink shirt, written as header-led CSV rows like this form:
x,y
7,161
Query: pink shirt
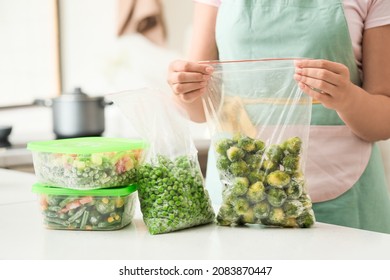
x,y
360,15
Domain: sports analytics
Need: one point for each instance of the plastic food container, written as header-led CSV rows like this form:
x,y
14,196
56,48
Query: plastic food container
x,y
99,209
87,163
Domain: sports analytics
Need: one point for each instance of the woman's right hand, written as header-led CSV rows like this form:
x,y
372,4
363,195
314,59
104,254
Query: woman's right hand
x,y
188,80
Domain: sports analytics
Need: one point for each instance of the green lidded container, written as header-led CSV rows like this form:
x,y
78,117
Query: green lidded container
x,y
98,209
87,163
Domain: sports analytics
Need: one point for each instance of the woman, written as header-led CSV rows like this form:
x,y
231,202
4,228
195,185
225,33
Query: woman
x,y
348,77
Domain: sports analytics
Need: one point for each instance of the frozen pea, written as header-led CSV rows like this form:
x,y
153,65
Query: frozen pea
x,y
171,196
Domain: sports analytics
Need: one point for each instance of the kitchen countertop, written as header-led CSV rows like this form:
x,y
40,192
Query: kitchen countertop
x,y
15,156
24,237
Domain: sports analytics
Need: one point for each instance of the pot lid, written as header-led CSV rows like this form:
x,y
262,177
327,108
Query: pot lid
x,y
76,95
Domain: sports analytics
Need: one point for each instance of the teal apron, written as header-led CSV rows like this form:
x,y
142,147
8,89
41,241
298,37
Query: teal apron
x,y
356,196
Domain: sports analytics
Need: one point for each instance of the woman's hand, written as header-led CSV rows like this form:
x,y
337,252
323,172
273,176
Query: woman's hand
x,y
326,81
188,80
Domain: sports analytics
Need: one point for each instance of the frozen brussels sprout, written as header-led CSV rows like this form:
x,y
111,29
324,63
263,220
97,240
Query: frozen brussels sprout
x,y
223,163
261,210
239,168
290,163
276,196
269,165
241,206
226,215
248,217
307,219
222,145
254,161
298,177
237,136
256,192
293,208
292,145
256,176
276,216
306,201
278,179
246,143
240,186
259,145
235,153
294,190
290,222
274,153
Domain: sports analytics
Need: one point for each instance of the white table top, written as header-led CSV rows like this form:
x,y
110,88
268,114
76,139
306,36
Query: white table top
x,y
23,236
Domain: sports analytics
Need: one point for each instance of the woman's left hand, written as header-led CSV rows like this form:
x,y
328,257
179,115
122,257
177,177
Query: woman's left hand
x,y
326,81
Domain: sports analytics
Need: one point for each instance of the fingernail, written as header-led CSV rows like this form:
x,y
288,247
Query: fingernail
x,y
209,69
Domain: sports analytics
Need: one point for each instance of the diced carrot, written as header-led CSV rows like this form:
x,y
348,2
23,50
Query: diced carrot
x,y
71,205
86,199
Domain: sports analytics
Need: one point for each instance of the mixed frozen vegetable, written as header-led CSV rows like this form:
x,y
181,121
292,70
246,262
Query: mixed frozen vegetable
x,y
80,212
172,194
87,171
263,184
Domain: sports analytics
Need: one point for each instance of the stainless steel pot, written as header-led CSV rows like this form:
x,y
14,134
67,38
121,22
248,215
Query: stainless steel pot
x,y
75,114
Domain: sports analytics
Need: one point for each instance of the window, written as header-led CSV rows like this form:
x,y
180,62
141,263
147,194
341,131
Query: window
x,y
29,56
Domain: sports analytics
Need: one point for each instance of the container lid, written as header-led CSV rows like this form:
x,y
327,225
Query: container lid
x,y
118,191
86,145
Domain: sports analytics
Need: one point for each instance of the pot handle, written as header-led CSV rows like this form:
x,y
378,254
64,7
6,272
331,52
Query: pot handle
x,y
105,103
43,102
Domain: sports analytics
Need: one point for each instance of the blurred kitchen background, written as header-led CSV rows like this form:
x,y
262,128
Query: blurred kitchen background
x,y
52,47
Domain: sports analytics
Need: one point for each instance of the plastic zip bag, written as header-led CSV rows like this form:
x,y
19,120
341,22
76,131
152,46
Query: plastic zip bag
x,y
170,182
260,121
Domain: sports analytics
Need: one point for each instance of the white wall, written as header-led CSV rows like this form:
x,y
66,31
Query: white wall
x,y
178,17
